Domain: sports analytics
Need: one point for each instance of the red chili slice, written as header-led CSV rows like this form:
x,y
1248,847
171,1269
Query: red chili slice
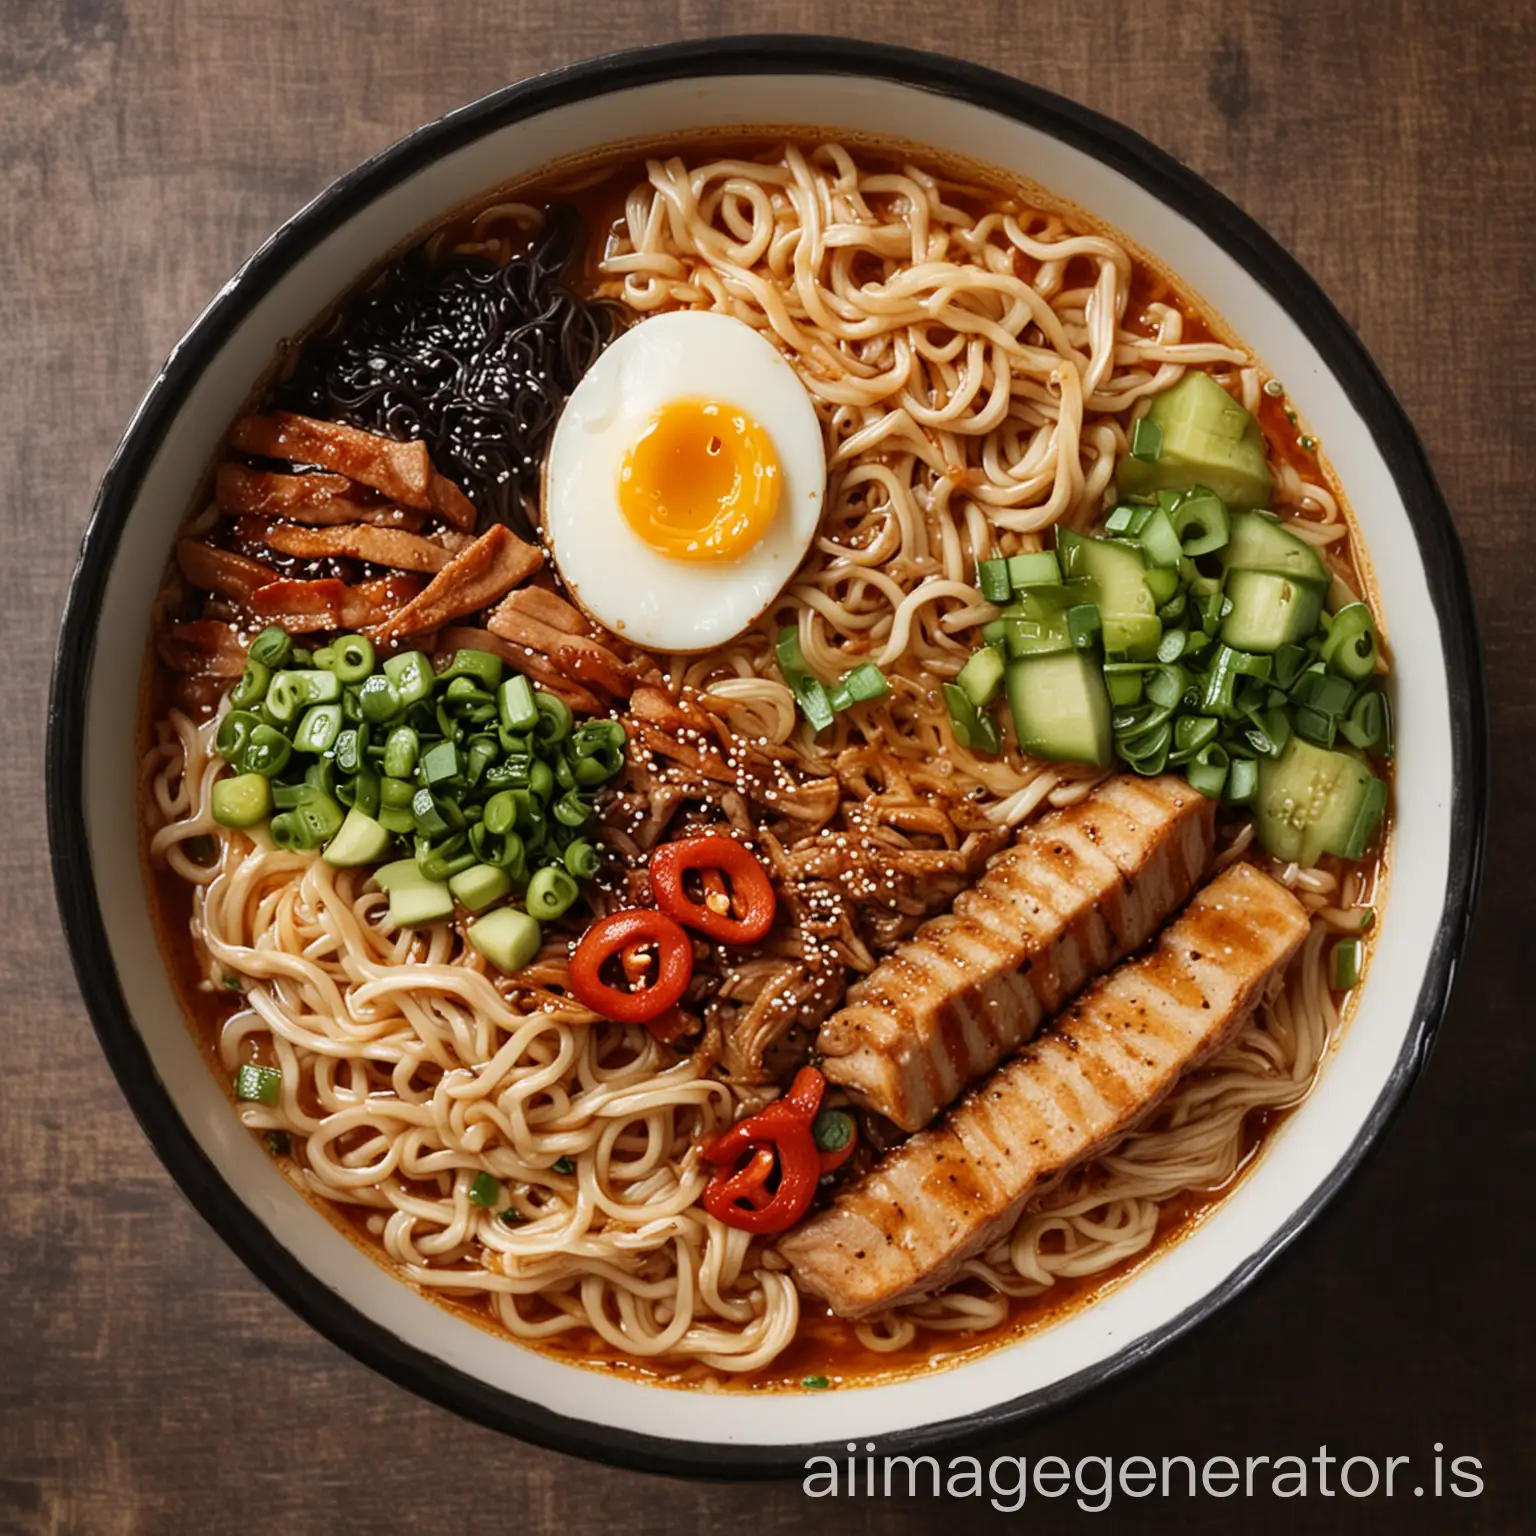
x,y
607,939
749,903
780,1132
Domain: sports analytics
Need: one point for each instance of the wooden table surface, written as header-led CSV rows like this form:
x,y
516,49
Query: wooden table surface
x,y
147,1382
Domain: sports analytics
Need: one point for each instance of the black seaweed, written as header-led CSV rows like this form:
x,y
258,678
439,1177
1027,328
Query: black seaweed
x,y
473,357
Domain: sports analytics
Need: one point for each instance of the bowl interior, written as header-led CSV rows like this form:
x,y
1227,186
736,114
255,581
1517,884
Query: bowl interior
x,y
171,443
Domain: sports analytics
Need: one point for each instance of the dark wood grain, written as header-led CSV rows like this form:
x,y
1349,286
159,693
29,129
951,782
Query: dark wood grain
x,y
148,1383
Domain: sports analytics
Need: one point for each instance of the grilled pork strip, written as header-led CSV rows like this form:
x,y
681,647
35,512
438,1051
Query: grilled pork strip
x,y
1077,892
905,1228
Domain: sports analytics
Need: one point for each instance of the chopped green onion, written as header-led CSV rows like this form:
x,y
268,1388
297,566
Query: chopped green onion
x,y
233,733
832,1130
1123,679
278,1143
352,658
379,700
266,751
563,1165
1084,625
581,860
1327,694
396,792
1193,732
501,812
1315,726
1165,684
1368,726
1289,660
314,821
318,729
1346,964
516,704
541,782
272,648
511,1217
572,809
551,893
350,749
252,687
973,729
815,1383
1242,781
481,668
485,1190
397,819
1208,771
555,719
402,748
1352,646
860,686
428,814
810,693
258,1085
365,789
1172,645
438,764
1126,520
454,857
1146,440
1200,521
410,674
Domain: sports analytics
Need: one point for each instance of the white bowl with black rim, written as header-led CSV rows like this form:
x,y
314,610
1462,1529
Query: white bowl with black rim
x,y
958,109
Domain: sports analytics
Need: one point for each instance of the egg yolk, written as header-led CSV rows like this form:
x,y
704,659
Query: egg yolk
x,y
701,482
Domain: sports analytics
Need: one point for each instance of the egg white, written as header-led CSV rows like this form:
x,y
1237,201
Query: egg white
x,y
621,581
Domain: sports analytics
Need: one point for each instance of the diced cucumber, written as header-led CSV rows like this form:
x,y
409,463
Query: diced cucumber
x,y
411,906
1259,542
361,841
1038,623
981,678
1313,801
413,898
1208,439
1060,707
1269,611
242,801
1163,584
1037,569
509,939
1116,574
1159,541
479,886
399,872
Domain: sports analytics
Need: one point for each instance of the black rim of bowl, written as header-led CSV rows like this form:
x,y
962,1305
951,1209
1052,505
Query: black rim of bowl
x,y
1099,137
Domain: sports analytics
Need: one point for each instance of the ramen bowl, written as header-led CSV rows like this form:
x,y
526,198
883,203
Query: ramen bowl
x,y
752,83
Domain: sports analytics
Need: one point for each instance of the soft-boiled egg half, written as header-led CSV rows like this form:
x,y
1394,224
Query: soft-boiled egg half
x,y
684,481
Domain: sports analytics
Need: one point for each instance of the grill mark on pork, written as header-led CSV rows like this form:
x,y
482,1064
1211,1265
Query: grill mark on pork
x,y
1073,895
904,1229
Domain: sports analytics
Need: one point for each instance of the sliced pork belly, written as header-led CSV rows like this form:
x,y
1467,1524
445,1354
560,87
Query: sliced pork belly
x,y
1077,892
904,1229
